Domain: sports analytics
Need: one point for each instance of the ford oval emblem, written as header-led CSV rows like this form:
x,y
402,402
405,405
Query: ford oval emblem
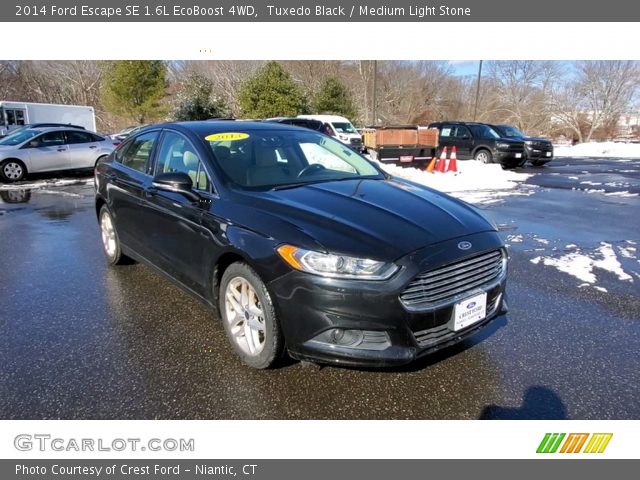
x,y
464,245
471,305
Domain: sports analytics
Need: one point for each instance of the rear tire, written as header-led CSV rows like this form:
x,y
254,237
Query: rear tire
x,y
249,317
483,155
12,170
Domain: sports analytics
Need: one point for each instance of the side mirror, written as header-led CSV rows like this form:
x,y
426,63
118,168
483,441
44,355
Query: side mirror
x,y
33,144
176,182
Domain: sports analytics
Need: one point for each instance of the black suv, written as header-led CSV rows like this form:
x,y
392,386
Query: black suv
x,y
480,142
316,125
537,150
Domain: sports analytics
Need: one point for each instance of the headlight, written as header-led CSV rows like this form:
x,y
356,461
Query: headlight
x,y
502,145
336,266
528,142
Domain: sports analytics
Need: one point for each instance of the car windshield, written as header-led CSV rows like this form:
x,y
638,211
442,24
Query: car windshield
x,y
344,127
260,160
17,138
512,132
484,131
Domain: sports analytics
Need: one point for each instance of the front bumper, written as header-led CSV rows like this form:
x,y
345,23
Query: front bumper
x,y
539,153
509,158
309,305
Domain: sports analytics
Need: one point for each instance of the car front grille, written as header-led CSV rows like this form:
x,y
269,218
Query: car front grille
x,y
356,141
443,333
448,282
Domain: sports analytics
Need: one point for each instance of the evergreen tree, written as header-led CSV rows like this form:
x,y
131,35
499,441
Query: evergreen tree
x,y
333,97
135,88
271,92
196,101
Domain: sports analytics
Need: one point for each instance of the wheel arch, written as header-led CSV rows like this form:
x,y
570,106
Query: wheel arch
x,y
22,161
222,263
481,147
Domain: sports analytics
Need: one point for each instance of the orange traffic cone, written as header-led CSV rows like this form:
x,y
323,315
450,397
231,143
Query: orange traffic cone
x,y
432,164
442,162
453,161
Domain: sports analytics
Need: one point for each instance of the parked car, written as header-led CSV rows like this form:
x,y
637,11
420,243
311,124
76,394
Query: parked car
x,y
480,142
537,150
36,150
301,245
340,128
125,132
309,123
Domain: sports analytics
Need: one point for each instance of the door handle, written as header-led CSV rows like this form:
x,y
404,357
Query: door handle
x,y
151,191
62,149
93,146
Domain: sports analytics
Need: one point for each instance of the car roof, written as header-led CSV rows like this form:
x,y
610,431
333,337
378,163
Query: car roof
x,y
208,127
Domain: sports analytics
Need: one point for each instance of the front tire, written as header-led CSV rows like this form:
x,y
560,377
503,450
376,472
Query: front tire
x,y
12,170
249,317
110,239
483,156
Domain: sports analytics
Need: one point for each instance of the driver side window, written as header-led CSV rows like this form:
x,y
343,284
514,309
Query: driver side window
x,y
177,154
51,139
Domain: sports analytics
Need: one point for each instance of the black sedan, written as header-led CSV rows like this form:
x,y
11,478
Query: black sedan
x,y
537,150
300,244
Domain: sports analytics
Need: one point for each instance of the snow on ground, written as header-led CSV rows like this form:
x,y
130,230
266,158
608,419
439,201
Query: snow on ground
x,y
43,184
599,149
474,182
514,238
582,265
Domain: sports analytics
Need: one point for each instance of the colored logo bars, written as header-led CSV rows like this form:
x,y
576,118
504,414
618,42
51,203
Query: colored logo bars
x,y
574,443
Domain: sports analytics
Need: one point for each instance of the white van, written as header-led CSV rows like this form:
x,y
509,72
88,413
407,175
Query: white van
x,y
17,114
340,128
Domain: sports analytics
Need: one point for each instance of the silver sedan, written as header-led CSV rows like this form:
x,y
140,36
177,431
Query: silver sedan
x,y
50,149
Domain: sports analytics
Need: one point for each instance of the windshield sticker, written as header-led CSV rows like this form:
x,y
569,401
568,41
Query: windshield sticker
x,y
226,137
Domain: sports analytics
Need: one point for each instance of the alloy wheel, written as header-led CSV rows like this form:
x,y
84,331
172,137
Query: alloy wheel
x,y
108,234
245,316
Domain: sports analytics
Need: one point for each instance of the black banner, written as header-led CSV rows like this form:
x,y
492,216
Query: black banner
x,y
318,11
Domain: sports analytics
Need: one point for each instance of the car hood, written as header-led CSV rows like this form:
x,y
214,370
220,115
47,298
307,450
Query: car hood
x,y
534,139
380,219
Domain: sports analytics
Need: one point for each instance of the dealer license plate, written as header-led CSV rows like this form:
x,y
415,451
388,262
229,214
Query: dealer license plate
x,y
406,158
548,154
518,155
470,311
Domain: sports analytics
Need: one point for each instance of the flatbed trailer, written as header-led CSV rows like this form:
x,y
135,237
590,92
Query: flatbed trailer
x,y
401,144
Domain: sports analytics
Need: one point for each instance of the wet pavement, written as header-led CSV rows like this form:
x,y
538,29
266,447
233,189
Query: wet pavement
x,y
81,340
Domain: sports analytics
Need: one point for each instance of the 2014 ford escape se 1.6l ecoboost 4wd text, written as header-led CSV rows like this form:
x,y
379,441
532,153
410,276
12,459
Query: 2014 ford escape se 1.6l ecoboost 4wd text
x,y
303,246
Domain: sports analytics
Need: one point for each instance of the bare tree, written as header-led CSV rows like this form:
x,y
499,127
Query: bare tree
x,y
600,93
520,89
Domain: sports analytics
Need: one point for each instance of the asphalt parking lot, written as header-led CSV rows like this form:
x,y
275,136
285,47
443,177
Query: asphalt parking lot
x,y
79,340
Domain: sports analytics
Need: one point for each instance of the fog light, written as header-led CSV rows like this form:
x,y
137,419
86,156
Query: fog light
x,y
348,338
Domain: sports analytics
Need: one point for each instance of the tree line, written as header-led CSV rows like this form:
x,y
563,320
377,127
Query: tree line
x,y
582,100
